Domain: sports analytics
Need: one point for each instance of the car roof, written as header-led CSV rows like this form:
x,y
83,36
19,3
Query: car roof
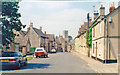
x,y
39,48
12,51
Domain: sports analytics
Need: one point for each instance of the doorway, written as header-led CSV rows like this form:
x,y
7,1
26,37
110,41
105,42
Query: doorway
x,y
96,50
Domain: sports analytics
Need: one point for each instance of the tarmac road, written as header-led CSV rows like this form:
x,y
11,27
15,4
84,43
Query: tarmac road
x,y
55,63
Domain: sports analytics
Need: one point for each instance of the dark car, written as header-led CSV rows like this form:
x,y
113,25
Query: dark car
x,y
12,60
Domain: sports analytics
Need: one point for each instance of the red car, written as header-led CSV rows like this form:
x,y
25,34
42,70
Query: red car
x,y
40,52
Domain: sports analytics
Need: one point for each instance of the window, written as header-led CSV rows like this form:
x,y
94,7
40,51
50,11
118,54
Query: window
x,y
9,54
20,49
39,49
93,32
100,27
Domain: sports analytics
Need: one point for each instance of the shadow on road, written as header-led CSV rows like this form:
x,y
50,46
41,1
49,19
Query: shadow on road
x,y
31,66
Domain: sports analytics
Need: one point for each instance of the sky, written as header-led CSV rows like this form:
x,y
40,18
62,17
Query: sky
x,y
57,16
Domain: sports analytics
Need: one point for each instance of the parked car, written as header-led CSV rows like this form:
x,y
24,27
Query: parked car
x,y
53,51
12,60
41,52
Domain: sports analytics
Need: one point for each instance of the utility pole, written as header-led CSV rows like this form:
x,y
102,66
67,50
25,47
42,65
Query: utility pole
x,y
88,35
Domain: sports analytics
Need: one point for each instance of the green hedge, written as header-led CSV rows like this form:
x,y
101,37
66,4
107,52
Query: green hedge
x,y
32,49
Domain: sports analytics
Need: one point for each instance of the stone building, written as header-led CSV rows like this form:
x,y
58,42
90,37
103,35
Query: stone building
x,y
105,35
36,36
50,42
21,43
24,40
64,44
80,40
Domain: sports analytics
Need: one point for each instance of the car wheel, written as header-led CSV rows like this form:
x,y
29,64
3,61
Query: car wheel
x,y
47,56
36,56
19,65
44,56
25,63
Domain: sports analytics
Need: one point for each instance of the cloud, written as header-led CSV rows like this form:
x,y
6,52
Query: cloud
x,y
66,18
43,4
52,5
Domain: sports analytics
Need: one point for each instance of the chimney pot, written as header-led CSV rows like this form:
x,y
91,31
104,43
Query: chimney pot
x,y
31,24
95,15
45,32
112,7
40,28
102,10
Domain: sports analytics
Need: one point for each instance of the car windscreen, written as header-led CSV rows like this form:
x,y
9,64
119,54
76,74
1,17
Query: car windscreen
x,y
39,49
9,54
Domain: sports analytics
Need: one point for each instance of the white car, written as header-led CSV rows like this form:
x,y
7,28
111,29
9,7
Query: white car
x,y
40,52
53,51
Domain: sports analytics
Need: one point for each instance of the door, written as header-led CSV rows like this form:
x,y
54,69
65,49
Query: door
x,y
96,50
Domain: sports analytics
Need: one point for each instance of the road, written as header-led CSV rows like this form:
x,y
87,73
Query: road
x,y
56,63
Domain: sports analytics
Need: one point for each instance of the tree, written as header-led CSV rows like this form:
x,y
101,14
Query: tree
x,y
10,21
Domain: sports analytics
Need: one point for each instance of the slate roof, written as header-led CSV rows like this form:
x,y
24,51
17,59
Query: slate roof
x,y
22,41
50,37
39,32
84,27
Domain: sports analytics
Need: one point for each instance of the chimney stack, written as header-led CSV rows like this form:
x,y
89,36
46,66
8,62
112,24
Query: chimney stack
x,y
45,32
90,19
40,28
112,7
95,14
31,24
102,10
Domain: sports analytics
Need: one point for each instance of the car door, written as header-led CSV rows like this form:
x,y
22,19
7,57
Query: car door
x,y
23,57
20,57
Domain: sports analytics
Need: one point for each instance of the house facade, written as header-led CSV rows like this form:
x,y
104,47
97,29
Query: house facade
x,y
80,41
36,36
21,43
64,44
105,36
50,42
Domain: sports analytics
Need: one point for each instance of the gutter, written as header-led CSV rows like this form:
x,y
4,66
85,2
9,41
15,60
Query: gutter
x,y
106,39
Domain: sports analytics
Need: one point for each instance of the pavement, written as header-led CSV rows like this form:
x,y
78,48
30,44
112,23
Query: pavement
x,y
96,65
55,63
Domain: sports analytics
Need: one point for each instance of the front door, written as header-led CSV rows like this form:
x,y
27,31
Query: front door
x,y
96,50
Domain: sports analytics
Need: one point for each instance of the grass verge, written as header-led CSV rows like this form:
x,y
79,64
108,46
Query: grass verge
x,y
30,57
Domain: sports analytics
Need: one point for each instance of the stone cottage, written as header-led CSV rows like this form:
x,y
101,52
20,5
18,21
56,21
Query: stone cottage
x,y
50,41
21,43
36,36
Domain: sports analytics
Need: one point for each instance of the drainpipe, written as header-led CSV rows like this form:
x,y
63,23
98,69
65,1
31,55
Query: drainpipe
x,y
106,40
